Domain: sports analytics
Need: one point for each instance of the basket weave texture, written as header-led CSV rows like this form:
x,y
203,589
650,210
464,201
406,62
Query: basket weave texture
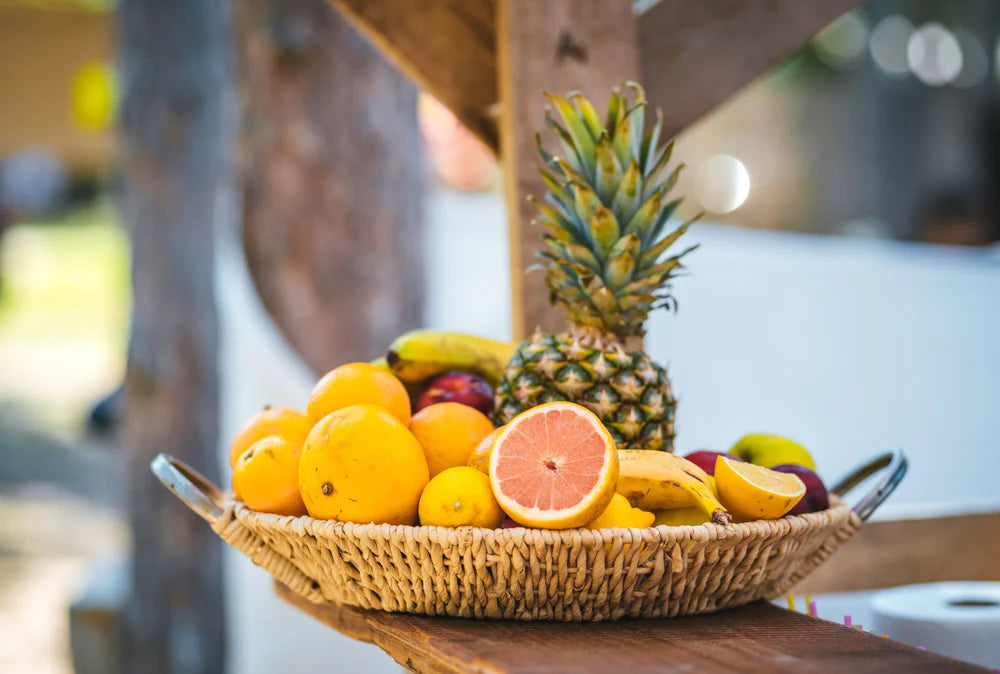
x,y
534,574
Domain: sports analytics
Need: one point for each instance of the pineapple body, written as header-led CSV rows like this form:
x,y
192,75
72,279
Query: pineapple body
x,y
625,388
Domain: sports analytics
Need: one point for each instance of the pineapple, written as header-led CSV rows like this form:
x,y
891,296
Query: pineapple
x,y
607,264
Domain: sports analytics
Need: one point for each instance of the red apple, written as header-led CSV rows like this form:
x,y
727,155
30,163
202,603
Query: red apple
x,y
457,387
816,497
705,459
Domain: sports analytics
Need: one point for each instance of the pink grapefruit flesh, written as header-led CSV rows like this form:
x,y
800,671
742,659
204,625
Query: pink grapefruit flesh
x,y
554,466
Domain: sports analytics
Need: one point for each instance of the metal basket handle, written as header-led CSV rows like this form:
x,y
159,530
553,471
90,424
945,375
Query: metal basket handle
x,y
893,461
190,486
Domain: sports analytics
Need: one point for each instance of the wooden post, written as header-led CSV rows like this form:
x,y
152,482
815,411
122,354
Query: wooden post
x,y
331,171
176,137
558,46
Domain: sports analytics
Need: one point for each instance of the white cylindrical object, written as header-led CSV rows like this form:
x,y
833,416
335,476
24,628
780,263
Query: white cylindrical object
x,y
958,619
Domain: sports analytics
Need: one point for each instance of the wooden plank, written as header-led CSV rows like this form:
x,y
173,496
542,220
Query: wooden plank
x,y
445,46
558,45
332,181
176,131
695,54
883,554
756,638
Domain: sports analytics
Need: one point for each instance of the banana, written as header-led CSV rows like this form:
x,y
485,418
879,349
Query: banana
x,y
420,354
654,480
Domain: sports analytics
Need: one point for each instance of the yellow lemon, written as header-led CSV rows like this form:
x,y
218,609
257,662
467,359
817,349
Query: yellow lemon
x,y
480,457
620,513
752,492
679,517
360,464
460,497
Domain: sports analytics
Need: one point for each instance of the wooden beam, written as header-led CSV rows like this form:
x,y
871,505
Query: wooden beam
x,y
884,554
446,47
557,45
696,54
332,181
759,637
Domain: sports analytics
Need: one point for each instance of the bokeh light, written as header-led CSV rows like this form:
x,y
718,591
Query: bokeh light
x,y
842,44
975,62
934,54
94,96
722,184
888,43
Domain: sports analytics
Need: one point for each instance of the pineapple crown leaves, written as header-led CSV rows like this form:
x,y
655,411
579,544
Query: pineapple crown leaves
x,y
606,212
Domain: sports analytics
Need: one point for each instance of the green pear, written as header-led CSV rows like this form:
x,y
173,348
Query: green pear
x,y
771,450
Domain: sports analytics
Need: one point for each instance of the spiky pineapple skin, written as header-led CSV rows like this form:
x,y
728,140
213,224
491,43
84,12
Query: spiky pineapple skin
x,y
628,391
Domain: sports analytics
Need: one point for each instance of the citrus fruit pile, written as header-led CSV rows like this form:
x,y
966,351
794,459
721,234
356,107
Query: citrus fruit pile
x,y
360,454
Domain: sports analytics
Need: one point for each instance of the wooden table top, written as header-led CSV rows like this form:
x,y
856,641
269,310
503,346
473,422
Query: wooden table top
x,y
759,637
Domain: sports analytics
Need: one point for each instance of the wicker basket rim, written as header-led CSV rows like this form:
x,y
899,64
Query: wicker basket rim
x,y
838,511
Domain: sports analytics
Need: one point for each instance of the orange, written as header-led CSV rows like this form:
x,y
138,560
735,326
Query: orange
x,y
753,492
360,464
480,456
358,384
459,497
266,476
554,466
449,432
269,421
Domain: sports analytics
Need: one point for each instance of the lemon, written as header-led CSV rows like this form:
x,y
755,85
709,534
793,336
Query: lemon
x,y
459,497
361,464
752,492
620,513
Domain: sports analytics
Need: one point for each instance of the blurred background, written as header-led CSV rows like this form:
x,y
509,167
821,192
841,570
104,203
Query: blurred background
x,y
845,293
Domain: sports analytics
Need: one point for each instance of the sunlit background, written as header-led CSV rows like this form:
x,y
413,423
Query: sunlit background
x,y
885,127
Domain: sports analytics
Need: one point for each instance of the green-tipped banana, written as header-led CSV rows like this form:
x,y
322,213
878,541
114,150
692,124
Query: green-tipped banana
x,y
421,354
654,480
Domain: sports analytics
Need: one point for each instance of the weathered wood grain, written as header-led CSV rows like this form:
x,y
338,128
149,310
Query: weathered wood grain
x,y
696,54
445,46
558,46
332,181
755,638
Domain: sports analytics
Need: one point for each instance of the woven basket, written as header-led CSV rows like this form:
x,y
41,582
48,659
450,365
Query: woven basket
x,y
534,574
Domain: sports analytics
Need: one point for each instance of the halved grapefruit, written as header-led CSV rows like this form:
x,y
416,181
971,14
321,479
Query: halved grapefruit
x,y
554,466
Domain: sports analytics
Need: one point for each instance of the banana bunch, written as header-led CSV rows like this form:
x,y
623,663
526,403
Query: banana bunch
x,y
654,480
421,354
